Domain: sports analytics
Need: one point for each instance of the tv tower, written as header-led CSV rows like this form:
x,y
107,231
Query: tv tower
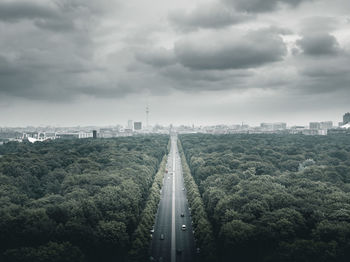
x,y
147,112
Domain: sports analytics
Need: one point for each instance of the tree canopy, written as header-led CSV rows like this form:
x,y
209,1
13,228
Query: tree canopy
x,y
78,200
274,197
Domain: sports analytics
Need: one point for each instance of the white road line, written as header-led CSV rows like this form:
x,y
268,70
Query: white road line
x,y
173,253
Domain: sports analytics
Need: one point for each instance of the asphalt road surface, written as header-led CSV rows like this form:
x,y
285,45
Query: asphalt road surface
x,y
170,242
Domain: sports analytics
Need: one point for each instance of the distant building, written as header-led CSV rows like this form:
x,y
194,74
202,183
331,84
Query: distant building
x,y
314,125
346,118
127,130
314,132
266,126
273,126
339,131
74,135
297,129
94,134
130,124
321,125
137,125
279,126
326,125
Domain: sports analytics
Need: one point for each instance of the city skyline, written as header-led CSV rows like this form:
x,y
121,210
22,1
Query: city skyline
x,y
130,124
337,122
67,63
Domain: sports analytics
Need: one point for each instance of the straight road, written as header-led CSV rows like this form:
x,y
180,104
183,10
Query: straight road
x,y
170,242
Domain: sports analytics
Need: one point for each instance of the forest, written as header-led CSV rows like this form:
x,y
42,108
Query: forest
x,y
274,197
78,200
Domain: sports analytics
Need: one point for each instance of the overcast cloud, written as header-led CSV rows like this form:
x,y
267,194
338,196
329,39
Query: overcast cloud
x,y
200,61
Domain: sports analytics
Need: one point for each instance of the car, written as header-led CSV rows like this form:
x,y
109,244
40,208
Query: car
x,y
198,250
183,227
179,251
183,189
161,237
152,230
182,214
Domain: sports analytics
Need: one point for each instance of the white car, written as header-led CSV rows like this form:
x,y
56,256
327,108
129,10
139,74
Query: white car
x,y
183,227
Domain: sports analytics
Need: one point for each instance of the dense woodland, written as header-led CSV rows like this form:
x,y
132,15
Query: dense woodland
x,y
274,197
78,200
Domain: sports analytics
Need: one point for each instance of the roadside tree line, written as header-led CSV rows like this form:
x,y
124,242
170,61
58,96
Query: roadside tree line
x,y
142,235
202,227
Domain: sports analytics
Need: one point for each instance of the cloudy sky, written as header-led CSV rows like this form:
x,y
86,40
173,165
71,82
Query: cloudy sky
x,y
82,62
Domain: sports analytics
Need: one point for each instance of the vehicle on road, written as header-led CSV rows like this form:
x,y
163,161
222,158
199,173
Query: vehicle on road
x,y
152,230
179,251
183,227
182,214
161,236
183,189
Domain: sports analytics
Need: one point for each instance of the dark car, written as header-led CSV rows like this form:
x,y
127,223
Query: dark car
x,y
182,214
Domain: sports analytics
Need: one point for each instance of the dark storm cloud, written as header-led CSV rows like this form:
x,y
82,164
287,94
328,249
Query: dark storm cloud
x,y
47,15
322,84
107,92
56,25
261,6
251,50
325,74
5,67
208,16
186,79
157,57
55,15
325,71
59,50
319,44
54,59
12,11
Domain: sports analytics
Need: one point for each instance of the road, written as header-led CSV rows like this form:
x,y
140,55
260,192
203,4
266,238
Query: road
x,y
177,245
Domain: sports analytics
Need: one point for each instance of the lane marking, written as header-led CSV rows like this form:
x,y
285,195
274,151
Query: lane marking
x,y
173,253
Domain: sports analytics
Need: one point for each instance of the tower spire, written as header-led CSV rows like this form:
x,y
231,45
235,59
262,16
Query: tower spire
x,y
147,113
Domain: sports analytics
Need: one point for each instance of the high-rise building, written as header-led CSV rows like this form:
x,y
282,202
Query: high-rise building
x,y
137,125
130,124
314,125
94,134
266,126
346,118
279,126
326,125
321,125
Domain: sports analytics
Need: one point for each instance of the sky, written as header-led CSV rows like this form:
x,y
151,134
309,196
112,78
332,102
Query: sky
x,y
201,62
